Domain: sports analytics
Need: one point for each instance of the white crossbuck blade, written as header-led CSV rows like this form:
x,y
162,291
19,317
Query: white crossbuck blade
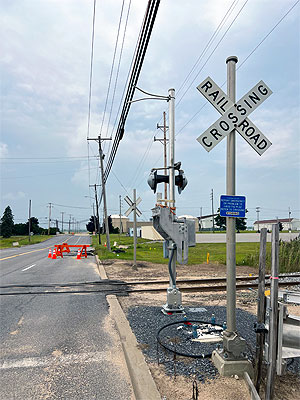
x,y
131,208
234,115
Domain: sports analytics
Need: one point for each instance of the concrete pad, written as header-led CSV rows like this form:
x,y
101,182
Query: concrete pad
x,y
231,367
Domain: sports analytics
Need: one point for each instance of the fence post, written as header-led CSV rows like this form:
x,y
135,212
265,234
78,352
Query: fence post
x,y
260,308
273,328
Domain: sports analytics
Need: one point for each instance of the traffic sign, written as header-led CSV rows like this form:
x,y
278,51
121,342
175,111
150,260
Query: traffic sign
x,y
131,206
234,115
233,206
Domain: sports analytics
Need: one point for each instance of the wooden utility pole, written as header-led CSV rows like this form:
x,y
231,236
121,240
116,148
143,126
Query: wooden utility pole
x,y
62,221
164,141
50,205
29,221
101,155
121,227
97,210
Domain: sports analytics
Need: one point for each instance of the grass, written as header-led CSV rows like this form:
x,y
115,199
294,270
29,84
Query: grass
x,y
289,256
153,251
23,240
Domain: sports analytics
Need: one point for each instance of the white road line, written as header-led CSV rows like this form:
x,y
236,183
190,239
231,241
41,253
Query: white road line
x,y
78,239
33,362
25,269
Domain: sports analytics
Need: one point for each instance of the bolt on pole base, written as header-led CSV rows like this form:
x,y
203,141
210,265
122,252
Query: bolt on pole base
x,y
231,367
173,304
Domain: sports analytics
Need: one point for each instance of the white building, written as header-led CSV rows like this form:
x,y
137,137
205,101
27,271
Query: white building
x,y
287,223
206,222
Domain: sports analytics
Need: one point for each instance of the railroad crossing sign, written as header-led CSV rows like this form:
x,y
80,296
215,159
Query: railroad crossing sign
x,y
131,206
234,115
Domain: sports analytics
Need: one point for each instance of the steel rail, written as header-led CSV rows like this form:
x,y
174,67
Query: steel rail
x,y
126,290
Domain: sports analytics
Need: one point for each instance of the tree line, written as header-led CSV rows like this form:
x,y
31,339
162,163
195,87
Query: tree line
x,y
8,228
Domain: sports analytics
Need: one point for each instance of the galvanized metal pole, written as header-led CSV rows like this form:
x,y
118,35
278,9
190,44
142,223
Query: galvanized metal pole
x,y
230,221
260,308
273,328
134,227
172,171
165,156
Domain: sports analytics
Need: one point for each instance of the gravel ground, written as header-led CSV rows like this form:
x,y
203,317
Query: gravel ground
x,y
145,322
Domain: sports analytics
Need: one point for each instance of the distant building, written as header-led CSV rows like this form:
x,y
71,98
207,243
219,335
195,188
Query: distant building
x,y
287,223
206,222
190,217
126,224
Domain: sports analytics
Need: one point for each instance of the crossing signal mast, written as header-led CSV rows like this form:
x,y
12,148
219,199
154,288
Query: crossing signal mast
x,y
179,234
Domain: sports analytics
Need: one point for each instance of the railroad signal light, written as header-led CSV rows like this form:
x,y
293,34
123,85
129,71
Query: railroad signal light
x,y
155,178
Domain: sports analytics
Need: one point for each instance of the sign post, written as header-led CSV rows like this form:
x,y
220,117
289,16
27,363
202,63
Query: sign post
x,y
231,359
136,212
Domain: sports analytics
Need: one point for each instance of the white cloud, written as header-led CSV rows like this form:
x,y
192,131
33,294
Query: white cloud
x,y
3,150
13,195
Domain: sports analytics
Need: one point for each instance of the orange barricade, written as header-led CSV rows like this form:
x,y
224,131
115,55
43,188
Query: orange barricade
x,y
65,248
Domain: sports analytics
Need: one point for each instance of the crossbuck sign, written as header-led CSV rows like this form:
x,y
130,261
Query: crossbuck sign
x,y
234,115
131,206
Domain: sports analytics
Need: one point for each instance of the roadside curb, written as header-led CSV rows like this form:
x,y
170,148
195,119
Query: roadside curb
x,y
143,384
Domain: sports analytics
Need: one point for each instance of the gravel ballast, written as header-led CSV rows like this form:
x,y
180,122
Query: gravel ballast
x,y
145,322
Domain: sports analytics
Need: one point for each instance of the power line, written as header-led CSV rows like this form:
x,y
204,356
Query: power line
x,y
147,27
61,205
256,47
211,54
118,70
268,34
219,27
112,67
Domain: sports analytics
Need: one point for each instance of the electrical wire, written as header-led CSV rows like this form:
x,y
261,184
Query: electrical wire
x,y
112,67
219,27
118,70
151,13
211,54
246,59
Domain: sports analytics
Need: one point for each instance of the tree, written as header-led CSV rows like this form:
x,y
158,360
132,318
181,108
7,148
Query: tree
x,y
280,226
7,223
110,226
90,226
34,226
240,223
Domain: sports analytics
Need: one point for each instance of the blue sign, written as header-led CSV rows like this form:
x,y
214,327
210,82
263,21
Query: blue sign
x,y
233,206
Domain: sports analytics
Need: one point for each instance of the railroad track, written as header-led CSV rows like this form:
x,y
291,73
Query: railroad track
x,y
124,288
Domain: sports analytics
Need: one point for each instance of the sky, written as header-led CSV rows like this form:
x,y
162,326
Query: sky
x,y
45,84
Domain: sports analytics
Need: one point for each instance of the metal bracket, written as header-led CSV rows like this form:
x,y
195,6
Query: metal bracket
x,y
170,228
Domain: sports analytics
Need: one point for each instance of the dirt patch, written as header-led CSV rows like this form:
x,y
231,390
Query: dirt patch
x,y
125,270
287,387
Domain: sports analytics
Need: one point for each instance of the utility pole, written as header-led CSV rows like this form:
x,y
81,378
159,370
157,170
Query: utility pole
x,y
99,140
212,208
62,222
50,205
97,210
257,217
56,225
164,141
70,224
121,227
29,221
290,224
134,228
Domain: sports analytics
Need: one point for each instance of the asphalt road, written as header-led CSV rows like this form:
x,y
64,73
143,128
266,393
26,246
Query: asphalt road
x,y
240,237
57,346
